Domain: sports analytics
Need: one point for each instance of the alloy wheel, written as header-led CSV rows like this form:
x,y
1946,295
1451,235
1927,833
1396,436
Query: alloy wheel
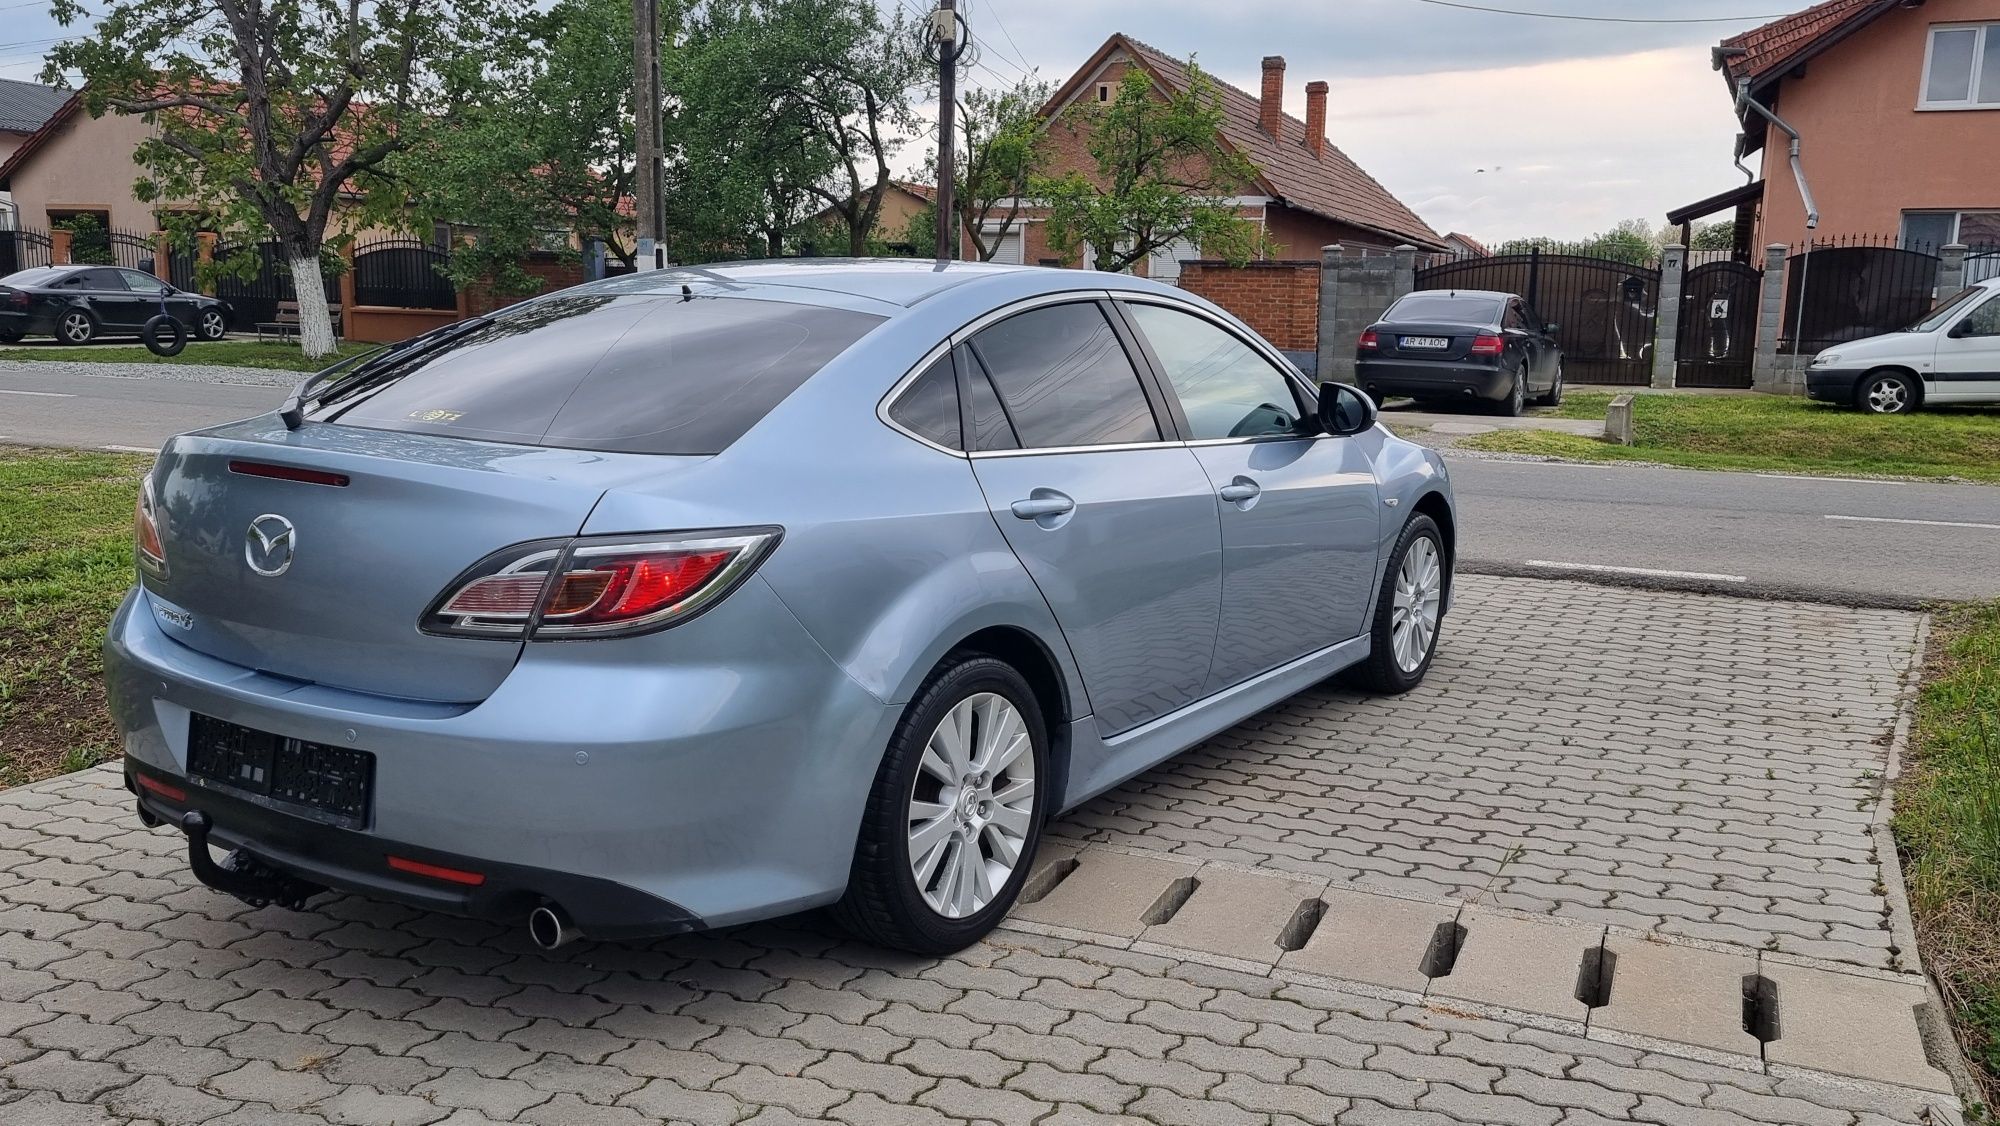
x,y
1888,396
75,327
1413,620
972,805
211,326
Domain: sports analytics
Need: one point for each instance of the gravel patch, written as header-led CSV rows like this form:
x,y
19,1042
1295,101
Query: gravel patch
x,y
185,373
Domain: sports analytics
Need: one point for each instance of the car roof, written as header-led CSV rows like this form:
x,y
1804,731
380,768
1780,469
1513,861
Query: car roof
x,y
866,283
1493,293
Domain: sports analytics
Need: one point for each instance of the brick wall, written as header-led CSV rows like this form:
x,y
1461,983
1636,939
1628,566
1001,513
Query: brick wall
x,y
1278,299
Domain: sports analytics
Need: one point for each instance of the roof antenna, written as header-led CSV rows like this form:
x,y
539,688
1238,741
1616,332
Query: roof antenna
x,y
686,293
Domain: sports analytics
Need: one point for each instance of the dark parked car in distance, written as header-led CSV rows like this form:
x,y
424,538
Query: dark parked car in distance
x,y
1461,346
78,304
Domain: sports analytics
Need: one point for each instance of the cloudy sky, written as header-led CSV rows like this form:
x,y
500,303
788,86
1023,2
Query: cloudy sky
x,y
1576,124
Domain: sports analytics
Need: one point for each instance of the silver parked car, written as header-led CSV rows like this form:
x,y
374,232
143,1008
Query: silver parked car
x,y
707,595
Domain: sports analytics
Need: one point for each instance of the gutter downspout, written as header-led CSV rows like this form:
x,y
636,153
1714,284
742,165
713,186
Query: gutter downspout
x,y
1745,101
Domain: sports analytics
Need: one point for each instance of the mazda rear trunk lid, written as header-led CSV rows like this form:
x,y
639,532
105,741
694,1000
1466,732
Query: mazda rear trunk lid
x,y
344,558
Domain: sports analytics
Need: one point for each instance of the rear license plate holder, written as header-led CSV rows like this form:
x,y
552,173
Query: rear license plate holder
x,y
334,785
1424,343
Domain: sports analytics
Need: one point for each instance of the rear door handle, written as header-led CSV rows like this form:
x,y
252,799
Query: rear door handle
x,y
1042,503
1239,490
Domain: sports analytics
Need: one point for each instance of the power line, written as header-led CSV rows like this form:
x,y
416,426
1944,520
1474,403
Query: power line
x,y
1596,19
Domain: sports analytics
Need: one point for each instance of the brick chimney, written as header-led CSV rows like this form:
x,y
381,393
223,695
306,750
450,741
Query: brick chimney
x,y
1271,111
1316,118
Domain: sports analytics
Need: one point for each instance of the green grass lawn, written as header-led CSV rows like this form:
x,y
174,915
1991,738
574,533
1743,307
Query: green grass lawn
x,y
280,355
1775,433
65,559
1948,824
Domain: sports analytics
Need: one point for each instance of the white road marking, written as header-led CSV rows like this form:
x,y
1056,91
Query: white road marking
x,y
1925,523
132,449
1655,573
38,394
1835,480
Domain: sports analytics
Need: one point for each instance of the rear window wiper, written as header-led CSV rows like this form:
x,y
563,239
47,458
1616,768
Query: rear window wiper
x,y
370,367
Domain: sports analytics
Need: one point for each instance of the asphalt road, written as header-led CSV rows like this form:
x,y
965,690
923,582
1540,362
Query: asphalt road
x,y
1863,542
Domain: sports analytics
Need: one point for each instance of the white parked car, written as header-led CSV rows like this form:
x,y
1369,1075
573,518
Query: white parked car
x,y
1951,356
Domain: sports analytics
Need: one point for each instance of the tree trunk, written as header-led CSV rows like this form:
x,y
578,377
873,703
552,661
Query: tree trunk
x,y
315,321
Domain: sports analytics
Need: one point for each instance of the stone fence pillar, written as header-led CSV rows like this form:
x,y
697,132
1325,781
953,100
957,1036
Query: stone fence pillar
x,y
1353,294
1951,269
59,240
1764,373
1666,347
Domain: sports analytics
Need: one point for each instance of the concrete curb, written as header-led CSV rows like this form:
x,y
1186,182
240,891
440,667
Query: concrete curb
x,y
1756,591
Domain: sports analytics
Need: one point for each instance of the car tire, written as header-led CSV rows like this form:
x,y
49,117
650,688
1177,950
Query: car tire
x,y
1554,396
1517,395
1391,670
164,336
1888,392
76,326
211,325
931,907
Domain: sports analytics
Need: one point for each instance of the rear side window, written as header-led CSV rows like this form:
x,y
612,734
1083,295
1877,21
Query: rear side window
x,y
640,373
1065,379
1447,307
929,406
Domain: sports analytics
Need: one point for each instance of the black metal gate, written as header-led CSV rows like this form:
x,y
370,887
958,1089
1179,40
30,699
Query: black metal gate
x,y
1717,343
255,299
1604,310
132,250
403,273
24,250
1845,290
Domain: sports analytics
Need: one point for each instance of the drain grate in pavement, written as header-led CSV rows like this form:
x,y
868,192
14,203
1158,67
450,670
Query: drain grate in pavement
x,y
1593,977
1045,878
1760,1007
1442,954
1170,902
1303,923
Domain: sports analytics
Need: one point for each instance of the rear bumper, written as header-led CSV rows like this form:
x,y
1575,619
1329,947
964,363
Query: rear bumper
x,y
1433,379
26,324
1832,385
640,787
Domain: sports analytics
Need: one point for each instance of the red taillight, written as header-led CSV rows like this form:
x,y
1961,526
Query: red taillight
x,y
18,299
146,545
171,793
437,871
1370,341
599,587
1487,344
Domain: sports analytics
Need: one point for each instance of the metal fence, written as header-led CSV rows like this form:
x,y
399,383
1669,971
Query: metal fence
x,y
255,298
24,250
1604,309
403,273
132,250
1846,289
1983,264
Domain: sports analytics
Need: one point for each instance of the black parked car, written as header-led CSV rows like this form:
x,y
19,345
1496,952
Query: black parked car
x,y
77,304
1462,346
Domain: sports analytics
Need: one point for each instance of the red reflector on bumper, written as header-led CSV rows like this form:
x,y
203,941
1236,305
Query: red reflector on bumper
x,y
288,473
171,793
450,875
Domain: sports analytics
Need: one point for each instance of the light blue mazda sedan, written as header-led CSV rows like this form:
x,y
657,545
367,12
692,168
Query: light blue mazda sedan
x,y
712,594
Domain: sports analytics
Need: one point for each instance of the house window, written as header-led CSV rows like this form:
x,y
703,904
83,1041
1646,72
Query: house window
x,y
1962,69
1929,230
1104,91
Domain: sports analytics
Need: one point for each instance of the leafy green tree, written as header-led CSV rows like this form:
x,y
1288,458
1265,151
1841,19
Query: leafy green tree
x,y
1163,175
1002,144
88,240
270,114
1720,235
1632,241
547,154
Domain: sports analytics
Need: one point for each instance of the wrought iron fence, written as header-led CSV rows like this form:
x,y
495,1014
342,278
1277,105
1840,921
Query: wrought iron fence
x,y
24,250
254,299
132,250
1983,264
1604,309
1844,289
404,273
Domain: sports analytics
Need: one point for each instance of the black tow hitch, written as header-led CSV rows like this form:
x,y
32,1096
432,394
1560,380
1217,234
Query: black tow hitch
x,y
241,874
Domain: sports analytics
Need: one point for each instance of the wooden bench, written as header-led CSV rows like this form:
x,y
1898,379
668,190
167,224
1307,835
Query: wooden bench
x,y
286,327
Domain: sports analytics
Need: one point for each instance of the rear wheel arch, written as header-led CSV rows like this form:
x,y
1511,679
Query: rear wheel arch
x,y
1033,660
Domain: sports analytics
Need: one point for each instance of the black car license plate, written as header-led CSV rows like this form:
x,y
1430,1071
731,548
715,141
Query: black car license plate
x,y
332,783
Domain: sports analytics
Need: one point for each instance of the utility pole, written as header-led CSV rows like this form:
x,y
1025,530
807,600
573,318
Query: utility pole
x,y
944,33
648,188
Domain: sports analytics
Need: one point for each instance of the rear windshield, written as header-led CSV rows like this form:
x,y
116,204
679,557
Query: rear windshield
x,y
40,275
640,373
1448,307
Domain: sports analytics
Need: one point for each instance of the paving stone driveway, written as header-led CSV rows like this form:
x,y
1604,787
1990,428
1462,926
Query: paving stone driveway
x,y
1685,761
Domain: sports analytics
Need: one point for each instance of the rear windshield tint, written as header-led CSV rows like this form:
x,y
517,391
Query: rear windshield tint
x,y
39,275
1450,308
640,373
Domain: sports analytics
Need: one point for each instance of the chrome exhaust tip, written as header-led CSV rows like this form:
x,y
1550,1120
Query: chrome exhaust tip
x,y
550,928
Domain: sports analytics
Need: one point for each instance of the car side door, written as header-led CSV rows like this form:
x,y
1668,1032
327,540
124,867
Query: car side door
x,y
1301,510
1104,505
1968,356
156,295
111,301
1515,323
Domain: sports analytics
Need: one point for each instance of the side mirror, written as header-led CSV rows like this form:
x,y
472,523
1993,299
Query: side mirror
x,y
1344,410
1551,328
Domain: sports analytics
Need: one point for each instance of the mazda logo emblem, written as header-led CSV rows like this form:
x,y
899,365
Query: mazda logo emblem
x,y
269,545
